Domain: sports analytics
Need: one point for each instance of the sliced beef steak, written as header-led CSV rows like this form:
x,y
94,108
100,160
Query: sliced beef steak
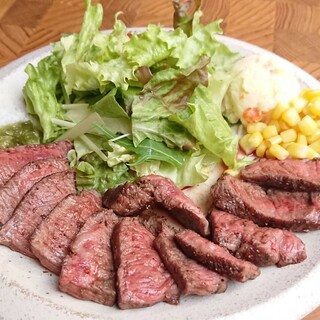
x,y
260,245
22,181
127,199
132,198
289,174
155,218
214,257
142,279
50,241
191,277
34,207
296,211
87,272
13,159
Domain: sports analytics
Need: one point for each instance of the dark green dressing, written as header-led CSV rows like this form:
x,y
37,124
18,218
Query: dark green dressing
x,y
20,133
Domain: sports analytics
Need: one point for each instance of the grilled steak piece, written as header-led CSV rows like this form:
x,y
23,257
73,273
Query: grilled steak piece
x,y
50,241
87,272
142,279
23,180
13,159
156,218
295,211
191,277
132,198
289,174
127,199
33,208
214,257
260,245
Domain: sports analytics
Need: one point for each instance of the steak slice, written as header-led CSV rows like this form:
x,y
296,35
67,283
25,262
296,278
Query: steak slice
x,y
289,174
191,277
156,218
128,199
13,159
142,279
132,198
23,180
295,211
260,245
214,257
51,239
87,272
34,207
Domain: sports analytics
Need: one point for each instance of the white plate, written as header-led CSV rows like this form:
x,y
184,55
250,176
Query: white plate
x,y
27,291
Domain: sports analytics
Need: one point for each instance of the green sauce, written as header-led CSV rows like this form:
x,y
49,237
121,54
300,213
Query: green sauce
x,y
20,133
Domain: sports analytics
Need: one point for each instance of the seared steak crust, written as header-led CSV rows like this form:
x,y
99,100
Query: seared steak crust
x,y
289,174
142,279
156,218
295,211
260,245
22,181
127,199
191,277
33,208
132,198
215,257
13,159
87,272
50,241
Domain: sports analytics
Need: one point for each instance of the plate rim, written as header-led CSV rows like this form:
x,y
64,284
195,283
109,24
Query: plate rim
x,y
302,74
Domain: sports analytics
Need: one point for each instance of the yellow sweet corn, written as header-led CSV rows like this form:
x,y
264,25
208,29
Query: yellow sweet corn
x,y
289,130
261,149
255,127
269,131
291,117
307,125
278,111
278,152
289,135
298,151
255,139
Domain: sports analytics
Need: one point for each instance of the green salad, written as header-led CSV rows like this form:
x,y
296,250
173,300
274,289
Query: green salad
x,y
136,103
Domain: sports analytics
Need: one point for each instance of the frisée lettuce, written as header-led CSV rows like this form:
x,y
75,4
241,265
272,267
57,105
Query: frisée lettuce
x,y
136,103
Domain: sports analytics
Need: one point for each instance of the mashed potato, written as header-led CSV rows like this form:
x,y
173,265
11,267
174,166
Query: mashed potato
x,y
259,82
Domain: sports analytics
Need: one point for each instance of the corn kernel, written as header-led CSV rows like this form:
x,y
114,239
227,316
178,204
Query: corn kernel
x,y
298,151
315,136
310,94
255,127
291,117
285,144
269,131
283,126
307,125
302,139
314,107
273,140
269,155
289,135
245,145
278,110
298,104
315,146
305,110
261,149
278,152
275,123
255,139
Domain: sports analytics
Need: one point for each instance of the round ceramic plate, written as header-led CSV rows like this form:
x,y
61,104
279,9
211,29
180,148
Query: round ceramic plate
x,y
28,291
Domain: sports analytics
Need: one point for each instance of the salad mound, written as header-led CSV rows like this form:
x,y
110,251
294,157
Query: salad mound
x,y
136,103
